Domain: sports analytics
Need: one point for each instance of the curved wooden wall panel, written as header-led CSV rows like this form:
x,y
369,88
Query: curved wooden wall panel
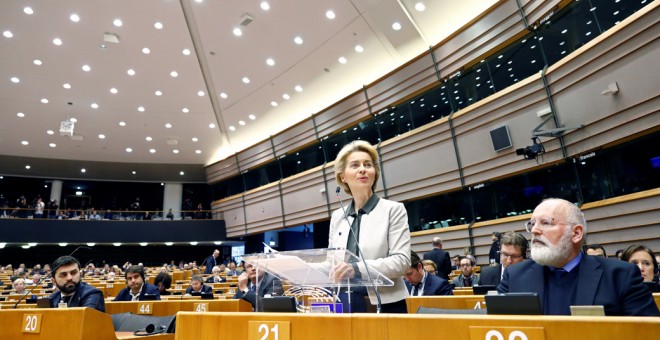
x,y
232,210
263,208
294,138
223,169
304,198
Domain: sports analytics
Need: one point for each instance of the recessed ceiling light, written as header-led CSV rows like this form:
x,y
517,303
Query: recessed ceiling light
x,y
298,88
241,123
133,172
37,62
74,17
174,74
185,110
223,95
396,26
194,139
94,106
170,243
273,103
152,150
342,60
52,145
168,125
129,149
212,126
101,136
15,80
420,7
141,108
44,100
359,48
158,25
245,80
131,72
72,120
86,68
28,10
253,117
122,123
117,22
158,93
237,31
330,14
298,40
185,51
114,90
199,1
28,167
200,93
7,34
83,170
181,173
286,96
175,151
270,61
198,151
148,139
265,5
57,41
50,132
232,128
66,86
146,50
25,142
21,114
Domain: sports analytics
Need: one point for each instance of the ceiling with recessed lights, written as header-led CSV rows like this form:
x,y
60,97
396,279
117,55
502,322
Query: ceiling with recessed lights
x,y
193,81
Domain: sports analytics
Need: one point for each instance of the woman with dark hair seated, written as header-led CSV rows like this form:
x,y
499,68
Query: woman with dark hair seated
x,y
643,257
164,282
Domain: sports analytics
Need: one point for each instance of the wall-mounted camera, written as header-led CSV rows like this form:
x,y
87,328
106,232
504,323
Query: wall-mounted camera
x,y
532,151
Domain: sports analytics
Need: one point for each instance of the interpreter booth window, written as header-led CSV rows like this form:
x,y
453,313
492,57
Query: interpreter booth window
x,y
441,211
394,121
429,106
267,173
365,130
624,169
302,160
469,86
514,63
228,187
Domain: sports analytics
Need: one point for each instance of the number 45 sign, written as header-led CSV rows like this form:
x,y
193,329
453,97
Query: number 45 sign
x,y
269,330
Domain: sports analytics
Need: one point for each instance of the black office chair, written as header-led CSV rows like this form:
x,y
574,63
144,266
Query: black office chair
x,y
143,324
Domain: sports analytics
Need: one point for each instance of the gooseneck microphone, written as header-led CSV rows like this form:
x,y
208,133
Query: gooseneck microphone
x,y
357,244
47,276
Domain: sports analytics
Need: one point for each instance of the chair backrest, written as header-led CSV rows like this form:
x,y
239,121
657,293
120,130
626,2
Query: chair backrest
x,y
129,322
427,310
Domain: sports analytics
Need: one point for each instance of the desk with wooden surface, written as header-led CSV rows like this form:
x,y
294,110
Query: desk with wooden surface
x,y
447,302
171,307
60,323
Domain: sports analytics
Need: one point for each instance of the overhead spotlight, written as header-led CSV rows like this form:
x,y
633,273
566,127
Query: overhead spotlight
x,y
532,151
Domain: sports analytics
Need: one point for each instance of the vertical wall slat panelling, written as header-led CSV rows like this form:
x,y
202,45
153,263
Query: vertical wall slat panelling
x,y
538,9
490,30
350,110
232,210
294,137
420,163
304,198
410,78
255,155
220,170
454,239
263,207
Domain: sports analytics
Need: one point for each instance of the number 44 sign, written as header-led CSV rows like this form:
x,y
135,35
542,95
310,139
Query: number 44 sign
x,y
269,330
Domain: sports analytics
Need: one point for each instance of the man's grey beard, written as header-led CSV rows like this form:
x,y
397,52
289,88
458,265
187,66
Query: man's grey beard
x,y
552,255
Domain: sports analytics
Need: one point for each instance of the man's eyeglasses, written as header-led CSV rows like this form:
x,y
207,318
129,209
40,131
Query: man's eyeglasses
x,y
510,256
543,224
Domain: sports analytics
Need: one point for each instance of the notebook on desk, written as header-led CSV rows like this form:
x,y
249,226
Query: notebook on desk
x,y
513,304
483,290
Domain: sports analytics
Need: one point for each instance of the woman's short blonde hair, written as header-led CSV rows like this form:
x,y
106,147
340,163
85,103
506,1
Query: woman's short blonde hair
x,y
355,146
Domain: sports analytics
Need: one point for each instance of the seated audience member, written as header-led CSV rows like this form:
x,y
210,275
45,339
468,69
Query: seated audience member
x,y
467,278
456,262
108,215
163,281
596,250
430,266
170,215
420,283
111,276
197,286
563,276
216,278
247,286
643,258
136,286
19,286
232,270
513,249
70,289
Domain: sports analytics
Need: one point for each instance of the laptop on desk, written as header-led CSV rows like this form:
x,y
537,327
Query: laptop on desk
x,y
483,290
513,304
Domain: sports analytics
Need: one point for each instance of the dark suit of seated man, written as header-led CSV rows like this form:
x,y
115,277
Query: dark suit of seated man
x,y
420,283
136,287
564,276
268,286
197,286
216,278
71,290
513,249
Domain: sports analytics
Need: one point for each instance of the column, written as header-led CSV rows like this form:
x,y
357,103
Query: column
x,y
172,196
56,193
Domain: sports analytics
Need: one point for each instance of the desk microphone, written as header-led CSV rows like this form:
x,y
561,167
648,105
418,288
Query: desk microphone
x,y
357,244
47,276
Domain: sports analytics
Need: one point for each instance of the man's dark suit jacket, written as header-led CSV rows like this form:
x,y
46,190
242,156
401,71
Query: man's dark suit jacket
x,y
268,285
614,284
442,261
205,289
490,275
434,285
85,296
210,279
210,263
124,294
